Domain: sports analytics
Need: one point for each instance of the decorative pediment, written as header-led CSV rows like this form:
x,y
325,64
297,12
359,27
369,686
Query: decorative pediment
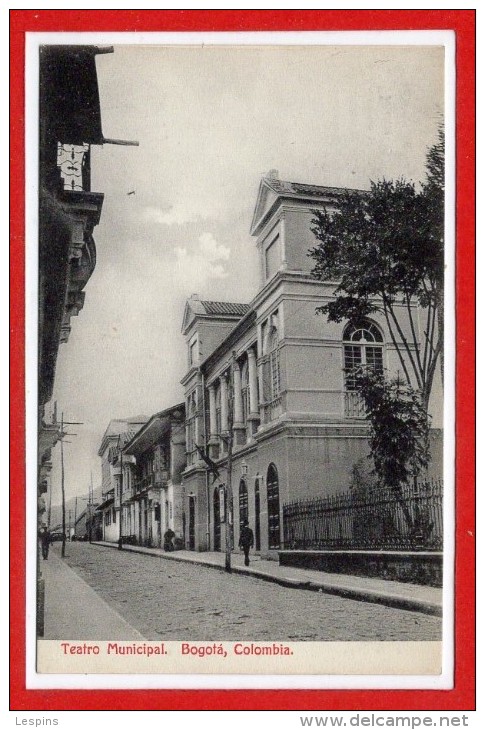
x,y
189,315
265,200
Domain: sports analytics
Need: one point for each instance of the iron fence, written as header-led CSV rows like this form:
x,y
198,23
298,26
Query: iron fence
x,y
371,519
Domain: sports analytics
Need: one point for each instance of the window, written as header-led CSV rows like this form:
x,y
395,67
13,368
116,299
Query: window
x,y
194,352
191,425
272,258
218,409
271,369
363,346
274,358
245,392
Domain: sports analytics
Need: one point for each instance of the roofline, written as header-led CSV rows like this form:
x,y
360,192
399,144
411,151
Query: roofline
x,y
242,326
206,315
327,194
212,317
160,414
107,436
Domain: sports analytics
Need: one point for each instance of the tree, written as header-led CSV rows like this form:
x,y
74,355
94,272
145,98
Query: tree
x,y
385,248
399,428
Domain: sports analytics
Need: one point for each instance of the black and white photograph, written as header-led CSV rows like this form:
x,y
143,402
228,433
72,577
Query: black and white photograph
x,y
241,332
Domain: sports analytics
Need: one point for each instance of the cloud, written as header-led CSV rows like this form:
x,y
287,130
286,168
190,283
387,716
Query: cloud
x,y
174,215
209,247
202,261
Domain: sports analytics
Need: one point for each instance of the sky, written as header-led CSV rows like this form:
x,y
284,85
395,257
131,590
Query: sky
x,y
210,122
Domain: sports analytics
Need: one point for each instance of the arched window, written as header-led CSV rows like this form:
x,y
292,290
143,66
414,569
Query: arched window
x,y
243,503
273,508
363,346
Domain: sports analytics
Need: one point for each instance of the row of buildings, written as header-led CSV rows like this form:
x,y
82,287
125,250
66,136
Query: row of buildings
x,y
269,376
68,213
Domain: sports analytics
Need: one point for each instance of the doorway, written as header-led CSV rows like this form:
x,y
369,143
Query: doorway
x,y
217,520
273,508
257,512
191,523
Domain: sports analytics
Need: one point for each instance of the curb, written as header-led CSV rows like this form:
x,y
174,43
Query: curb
x,y
356,594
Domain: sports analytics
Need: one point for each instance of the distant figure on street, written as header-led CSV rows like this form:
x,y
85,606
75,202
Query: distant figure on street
x,y
246,541
45,538
168,540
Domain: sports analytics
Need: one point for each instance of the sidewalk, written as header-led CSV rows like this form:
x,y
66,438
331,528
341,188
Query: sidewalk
x,y
73,610
423,599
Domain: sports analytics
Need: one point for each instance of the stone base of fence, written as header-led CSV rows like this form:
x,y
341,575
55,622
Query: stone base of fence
x,y
422,568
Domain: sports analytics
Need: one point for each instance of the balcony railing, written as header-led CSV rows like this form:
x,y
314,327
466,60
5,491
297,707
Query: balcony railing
x,y
74,163
354,405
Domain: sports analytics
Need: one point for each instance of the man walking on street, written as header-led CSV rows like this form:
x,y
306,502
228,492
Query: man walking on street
x,y
45,538
246,541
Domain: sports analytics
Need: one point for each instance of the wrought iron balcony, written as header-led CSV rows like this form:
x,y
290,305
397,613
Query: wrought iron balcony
x,y
74,163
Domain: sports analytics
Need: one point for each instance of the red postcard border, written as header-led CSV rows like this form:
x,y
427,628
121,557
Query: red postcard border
x,y
462,22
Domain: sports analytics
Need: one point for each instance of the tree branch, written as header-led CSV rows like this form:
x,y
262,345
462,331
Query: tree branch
x,y
395,343
406,346
426,337
431,341
413,332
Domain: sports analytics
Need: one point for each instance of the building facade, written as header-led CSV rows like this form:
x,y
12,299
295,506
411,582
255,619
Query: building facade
x,y
69,124
281,374
154,459
117,434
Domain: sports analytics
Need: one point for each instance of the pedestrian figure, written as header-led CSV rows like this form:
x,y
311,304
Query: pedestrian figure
x,y
45,538
246,541
168,540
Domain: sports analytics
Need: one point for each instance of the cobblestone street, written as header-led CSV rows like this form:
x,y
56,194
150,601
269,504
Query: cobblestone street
x,y
163,599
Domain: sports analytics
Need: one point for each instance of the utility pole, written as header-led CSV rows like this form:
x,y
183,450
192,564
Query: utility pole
x,y
63,492
90,503
49,512
230,419
75,516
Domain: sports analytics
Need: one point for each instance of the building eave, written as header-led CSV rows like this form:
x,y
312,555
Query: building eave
x,y
157,426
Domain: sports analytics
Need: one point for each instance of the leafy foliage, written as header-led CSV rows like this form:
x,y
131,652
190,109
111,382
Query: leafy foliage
x,y
399,427
385,250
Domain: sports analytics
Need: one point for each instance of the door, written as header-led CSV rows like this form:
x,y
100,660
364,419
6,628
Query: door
x,y
273,508
191,523
257,512
217,520
243,503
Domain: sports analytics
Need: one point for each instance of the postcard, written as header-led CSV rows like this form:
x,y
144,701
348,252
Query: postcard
x,y
240,336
